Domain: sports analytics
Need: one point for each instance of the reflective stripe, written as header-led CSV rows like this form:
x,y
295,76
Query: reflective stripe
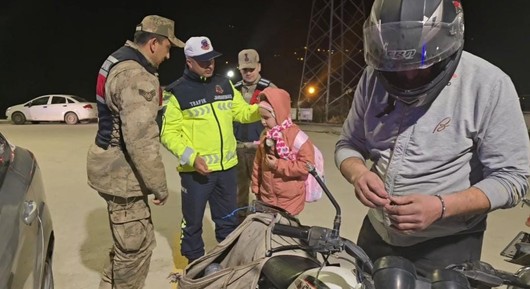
x,y
230,155
185,158
199,111
112,59
104,70
238,85
224,105
182,227
211,159
264,82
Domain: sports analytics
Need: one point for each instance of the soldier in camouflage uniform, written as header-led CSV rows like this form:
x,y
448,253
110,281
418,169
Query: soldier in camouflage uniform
x,y
248,135
124,164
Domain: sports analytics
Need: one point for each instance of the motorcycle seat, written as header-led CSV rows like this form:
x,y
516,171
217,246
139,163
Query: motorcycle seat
x,y
282,270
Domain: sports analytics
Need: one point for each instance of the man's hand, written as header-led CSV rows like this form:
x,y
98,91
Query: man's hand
x,y
413,212
368,187
160,202
370,190
200,166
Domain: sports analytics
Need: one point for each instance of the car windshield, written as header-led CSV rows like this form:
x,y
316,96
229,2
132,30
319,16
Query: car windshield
x,y
78,98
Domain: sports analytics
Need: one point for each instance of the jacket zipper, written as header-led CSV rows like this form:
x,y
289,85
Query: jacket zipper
x,y
403,115
221,134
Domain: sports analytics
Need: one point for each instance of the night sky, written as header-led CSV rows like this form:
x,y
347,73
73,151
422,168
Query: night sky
x,y
52,46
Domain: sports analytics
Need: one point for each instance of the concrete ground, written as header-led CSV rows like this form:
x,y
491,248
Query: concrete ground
x,y
81,225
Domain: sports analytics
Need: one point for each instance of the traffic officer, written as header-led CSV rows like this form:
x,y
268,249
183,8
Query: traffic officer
x,y
198,129
124,163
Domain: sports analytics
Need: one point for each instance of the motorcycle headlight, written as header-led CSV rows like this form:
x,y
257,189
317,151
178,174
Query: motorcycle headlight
x,y
394,272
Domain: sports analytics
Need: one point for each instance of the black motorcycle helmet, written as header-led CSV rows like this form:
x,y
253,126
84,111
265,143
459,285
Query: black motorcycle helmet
x,y
405,35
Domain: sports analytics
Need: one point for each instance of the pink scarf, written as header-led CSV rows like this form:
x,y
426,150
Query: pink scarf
x,y
275,133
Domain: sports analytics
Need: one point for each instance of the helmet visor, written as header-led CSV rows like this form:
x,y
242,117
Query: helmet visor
x,y
399,46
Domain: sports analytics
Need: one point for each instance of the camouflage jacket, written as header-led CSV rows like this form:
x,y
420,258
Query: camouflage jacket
x,y
133,167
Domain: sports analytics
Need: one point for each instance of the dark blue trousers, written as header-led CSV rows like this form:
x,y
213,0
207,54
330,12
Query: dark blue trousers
x,y
218,189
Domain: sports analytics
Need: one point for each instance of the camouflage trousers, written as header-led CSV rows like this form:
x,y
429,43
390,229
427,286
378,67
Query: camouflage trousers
x,y
245,164
134,241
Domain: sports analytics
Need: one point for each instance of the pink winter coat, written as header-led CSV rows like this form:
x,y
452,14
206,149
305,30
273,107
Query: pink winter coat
x,y
282,186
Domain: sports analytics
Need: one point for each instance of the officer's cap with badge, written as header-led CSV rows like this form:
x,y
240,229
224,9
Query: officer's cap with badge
x,y
200,48
248,58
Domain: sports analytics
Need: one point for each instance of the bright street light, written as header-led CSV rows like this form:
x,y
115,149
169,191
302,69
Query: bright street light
x,y
311,90
230,74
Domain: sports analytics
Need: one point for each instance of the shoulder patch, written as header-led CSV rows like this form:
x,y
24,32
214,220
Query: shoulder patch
x,y
148,95
218,89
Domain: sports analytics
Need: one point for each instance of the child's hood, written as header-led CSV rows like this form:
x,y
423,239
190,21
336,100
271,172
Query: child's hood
x,y
280,102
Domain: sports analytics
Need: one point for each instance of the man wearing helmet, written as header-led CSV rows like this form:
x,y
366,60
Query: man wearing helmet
x,y
444,130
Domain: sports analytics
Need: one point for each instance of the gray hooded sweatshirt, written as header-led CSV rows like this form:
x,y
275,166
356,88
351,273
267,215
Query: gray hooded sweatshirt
x,y
472,134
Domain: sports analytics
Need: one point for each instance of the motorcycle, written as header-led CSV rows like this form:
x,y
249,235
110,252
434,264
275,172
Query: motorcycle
x,y
332,261
354,268
389,272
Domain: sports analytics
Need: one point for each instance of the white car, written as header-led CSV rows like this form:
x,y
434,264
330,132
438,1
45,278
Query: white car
x,y
53,107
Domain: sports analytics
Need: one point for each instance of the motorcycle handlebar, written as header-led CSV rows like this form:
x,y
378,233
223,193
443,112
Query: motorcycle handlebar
x,y
301,232
358,253
325,243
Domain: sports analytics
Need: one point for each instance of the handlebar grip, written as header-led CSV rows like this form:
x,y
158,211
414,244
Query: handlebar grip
x,y
301,232
511,279
358,253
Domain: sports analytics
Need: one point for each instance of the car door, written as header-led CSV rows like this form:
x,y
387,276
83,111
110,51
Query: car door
x,y
19,240
57,108
38,108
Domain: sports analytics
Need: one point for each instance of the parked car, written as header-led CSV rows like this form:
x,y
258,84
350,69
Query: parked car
x,y
27,236
57,107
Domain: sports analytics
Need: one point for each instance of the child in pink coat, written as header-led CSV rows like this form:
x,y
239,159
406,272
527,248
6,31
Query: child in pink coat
x,y
279,174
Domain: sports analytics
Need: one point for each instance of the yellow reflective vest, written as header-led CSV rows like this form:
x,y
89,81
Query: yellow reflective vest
x,y
198,120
